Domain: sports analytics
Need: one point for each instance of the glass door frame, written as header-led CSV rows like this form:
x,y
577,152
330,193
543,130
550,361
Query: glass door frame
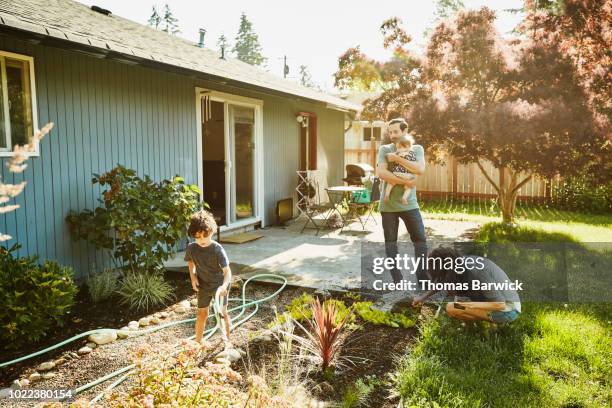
x,y
258,170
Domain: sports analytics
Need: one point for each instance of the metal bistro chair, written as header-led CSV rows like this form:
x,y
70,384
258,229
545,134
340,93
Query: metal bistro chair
x,y
337,200
312,209
366,201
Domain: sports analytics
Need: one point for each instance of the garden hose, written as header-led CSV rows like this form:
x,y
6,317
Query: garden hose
x,y
235,321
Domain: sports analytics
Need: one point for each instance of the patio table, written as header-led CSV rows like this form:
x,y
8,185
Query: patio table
x,y
342,194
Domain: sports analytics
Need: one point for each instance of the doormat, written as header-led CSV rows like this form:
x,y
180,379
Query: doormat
x,y
242,237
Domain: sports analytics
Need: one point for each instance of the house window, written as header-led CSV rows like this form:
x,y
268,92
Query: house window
x,y
17,110
370,132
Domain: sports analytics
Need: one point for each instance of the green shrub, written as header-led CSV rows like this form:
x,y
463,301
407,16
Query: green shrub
x,y
357,394
583,193
300,310
375,316
140,221
142,291
102,286
35,298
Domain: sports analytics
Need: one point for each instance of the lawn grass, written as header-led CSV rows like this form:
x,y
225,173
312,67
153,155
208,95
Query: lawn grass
x,y
553,355
582,227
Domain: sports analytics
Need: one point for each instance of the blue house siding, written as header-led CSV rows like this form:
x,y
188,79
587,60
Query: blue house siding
x,y
108,113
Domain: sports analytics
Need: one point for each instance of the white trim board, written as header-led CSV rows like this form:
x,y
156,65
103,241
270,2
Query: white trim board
x,y
258,160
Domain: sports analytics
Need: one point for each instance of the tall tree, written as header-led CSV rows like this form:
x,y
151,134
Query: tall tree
x,y
305,77
581,30
223,45
170,22
447,8
247,47
478,97
155,19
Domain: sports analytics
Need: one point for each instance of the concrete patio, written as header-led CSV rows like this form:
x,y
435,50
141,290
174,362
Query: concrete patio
x,y
330,260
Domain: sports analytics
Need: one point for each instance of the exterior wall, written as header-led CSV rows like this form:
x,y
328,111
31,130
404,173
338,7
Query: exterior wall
x,y
107,113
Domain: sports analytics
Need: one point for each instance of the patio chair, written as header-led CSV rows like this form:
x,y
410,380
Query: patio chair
x,y
312,209
366,202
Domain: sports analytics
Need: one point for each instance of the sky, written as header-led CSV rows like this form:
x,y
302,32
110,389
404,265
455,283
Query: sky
x,y
313,33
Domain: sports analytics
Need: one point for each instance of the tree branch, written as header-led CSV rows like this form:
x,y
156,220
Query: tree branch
x,y
484,172
522,183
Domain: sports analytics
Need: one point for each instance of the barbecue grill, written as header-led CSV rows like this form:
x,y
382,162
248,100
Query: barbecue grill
x,y
357,173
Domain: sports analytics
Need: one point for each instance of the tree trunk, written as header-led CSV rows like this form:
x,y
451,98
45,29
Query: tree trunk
x,y
507,190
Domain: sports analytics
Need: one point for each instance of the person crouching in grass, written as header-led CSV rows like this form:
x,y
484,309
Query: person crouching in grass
x,y
496,306
208,269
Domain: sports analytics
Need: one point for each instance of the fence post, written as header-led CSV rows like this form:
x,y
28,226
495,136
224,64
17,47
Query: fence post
x,y
455,175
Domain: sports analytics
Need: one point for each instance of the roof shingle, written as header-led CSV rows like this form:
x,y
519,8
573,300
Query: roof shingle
x,y
77,23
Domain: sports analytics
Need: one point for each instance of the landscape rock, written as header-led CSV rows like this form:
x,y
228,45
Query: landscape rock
x,y
229,354
263,337
184,303
123,332
102,338
24,382
223,360
91,344
143,322
46,366
84,350
180,309
15,384
35,376
60,361
194,302
154,320
47,376
163,315
133,323
72,354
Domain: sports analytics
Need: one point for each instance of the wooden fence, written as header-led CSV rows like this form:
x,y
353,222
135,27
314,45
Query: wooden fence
x,y
452,179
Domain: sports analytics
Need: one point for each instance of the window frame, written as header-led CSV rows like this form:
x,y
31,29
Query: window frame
x,y
371,126
8,151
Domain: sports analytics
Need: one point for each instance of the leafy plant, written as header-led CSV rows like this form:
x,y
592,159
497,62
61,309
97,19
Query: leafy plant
x,y
35,298
102,286
379,317
357,394
140,221
141,291
167,378
300,309
583,193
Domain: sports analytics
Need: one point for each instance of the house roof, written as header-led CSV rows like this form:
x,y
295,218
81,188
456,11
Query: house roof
x,y
76,23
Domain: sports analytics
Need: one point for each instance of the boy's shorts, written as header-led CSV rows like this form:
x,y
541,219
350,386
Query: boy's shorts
x,y
207,293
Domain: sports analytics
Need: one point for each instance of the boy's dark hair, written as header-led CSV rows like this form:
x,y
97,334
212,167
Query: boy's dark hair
x,y
402,123
436,261
202,221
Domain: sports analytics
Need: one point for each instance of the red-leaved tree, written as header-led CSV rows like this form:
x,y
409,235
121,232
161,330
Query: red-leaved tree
x,y
479,97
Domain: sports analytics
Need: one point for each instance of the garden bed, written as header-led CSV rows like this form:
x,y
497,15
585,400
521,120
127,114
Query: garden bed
x,y
364,343
85,316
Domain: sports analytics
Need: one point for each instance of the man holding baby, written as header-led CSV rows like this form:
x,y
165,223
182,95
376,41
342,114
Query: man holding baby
x,y
398,165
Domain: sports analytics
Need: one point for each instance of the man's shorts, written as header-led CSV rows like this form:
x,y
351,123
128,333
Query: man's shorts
x,y
207,293
503,317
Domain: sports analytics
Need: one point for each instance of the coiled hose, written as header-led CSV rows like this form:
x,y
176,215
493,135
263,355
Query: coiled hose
x,y
235,321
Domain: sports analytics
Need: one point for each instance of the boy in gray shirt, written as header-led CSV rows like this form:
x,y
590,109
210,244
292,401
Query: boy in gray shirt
x,y
208,269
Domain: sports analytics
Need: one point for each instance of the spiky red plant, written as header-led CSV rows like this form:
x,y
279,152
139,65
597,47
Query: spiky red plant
x,y
327,334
